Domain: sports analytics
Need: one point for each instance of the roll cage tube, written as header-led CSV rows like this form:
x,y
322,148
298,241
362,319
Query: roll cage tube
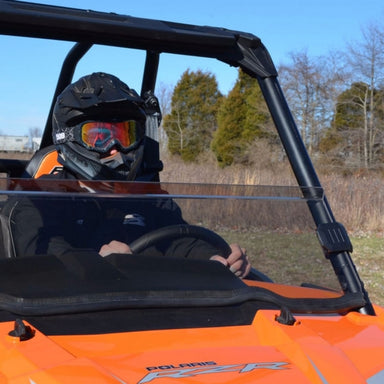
x,y
235,48
150,72
306,176
65,78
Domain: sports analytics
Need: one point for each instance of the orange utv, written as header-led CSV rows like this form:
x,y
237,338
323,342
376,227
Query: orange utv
x,y
302,314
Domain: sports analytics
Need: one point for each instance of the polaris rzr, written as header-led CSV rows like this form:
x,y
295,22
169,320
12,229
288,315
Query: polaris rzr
x,y
302,315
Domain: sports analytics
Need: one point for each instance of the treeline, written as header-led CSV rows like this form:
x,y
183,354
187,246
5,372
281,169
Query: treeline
x,y
337,101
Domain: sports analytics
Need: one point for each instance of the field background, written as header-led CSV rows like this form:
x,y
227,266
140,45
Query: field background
x,y
357,201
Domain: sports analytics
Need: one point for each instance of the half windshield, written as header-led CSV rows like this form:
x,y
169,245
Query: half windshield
x,y
273,224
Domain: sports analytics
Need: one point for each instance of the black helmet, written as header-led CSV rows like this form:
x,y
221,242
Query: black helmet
x,y
99,102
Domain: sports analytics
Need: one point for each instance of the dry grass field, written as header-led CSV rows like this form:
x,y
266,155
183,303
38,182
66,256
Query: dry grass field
x,y
357,202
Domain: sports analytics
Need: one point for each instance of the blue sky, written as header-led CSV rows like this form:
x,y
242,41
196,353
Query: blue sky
x,y
31,66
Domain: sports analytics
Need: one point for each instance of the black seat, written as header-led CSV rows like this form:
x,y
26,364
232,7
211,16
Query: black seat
x,y
43,162
7,250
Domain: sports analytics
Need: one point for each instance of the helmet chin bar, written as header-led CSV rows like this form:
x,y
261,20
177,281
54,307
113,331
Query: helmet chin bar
x,y
113,161
90,166
124,165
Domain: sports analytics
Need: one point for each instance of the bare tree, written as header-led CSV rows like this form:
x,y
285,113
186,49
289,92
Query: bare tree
x,y
312,86
35,134
366,60
335,75
164,94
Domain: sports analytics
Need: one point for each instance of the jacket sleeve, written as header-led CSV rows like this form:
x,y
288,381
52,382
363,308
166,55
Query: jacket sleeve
x,y
191,248
169,213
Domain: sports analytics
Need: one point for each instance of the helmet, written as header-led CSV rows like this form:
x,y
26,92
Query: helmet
x,y
91,116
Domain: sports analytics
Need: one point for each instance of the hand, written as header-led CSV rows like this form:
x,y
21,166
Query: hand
x,y
237,261
114,247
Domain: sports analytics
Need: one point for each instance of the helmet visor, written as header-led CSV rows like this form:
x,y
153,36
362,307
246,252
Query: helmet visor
x,y
100,136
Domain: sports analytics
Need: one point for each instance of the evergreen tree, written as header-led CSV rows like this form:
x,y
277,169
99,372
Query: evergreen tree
x,y
353,140
242,118
192,120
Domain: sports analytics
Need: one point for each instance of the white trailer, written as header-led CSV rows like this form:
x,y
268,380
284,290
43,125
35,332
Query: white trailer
x,y
14,143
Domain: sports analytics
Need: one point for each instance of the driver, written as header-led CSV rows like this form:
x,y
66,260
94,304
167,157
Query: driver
x,y
99,132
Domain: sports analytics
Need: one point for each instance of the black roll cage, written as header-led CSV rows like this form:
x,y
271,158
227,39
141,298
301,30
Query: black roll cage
x,y
236,48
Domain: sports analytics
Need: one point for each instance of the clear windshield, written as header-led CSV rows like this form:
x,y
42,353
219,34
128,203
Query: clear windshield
x,y
274,225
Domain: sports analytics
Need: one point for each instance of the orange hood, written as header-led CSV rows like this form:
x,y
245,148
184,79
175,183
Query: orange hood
x,y
316,349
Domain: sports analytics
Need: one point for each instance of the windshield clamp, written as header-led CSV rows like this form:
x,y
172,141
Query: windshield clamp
x,y
333,238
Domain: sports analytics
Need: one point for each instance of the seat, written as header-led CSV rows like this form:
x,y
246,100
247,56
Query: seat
x,y
7,250
43,162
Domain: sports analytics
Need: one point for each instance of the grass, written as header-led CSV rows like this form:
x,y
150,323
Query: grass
x,y
292,259
368,256
357,201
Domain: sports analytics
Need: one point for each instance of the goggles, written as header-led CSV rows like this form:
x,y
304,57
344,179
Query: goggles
x,y
101,136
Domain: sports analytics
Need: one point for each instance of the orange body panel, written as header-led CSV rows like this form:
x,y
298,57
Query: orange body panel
x,y
294,291
316,349
47,165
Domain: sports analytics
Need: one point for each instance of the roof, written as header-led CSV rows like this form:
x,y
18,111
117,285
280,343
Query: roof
x,y
52,22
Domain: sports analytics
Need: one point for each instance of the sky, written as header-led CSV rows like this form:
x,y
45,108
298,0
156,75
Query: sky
x,y
30,67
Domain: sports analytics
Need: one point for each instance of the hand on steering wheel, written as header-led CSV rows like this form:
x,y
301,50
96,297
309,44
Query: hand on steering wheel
x,y
234,257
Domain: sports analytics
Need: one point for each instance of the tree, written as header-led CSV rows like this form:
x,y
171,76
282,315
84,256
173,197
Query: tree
x,y
311,87
356,136
164,94
342,142
366,60
192,120
35,135
242,118
347,139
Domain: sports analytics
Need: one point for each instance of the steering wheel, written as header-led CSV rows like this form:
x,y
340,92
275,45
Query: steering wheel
x,y
194,231
178,231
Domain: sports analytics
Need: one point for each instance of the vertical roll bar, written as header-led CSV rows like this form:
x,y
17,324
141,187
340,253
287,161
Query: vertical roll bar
x,y
65,78
306,176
